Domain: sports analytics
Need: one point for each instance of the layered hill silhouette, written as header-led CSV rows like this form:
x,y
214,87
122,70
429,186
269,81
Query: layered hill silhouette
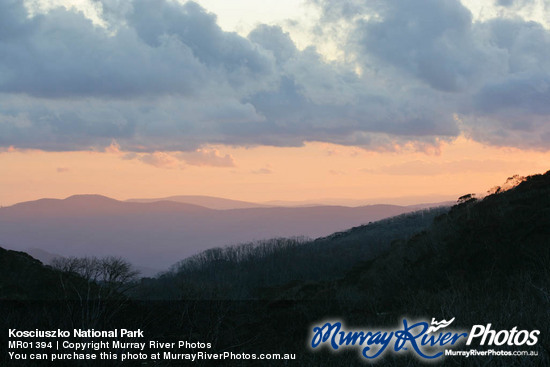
x,y
482,261
209,202
159,233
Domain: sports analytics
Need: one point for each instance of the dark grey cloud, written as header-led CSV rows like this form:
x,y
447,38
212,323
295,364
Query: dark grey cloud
x,y
275,40
63,55
492,74
431,39
163,76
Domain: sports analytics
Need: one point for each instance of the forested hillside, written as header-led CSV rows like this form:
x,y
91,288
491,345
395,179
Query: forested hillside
x,y
23,277
245,271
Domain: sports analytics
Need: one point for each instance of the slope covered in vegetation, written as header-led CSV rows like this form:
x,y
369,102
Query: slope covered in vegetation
x,y
485,261
245,271
23,277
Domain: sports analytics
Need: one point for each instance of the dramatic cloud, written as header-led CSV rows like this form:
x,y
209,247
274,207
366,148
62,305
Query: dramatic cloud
x,y
493,74
160,76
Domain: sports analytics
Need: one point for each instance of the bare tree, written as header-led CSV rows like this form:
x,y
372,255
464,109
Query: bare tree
x,y
98,285
109,273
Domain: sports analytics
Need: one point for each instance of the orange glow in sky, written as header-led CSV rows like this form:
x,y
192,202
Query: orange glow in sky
x,y
315,171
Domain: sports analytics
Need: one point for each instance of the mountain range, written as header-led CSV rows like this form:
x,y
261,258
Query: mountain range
x,y
156,234
212,202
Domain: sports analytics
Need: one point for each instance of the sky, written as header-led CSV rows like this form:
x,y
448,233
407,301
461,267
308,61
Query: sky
x,y
377,101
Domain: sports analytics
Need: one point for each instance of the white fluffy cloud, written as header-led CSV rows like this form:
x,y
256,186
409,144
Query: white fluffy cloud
x,y
163,76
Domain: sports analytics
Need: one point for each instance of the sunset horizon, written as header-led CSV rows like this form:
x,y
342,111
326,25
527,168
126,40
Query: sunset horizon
x,y
300,101
335,174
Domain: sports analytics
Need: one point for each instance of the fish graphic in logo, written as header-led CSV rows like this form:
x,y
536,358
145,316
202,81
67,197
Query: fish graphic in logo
x,y
439,325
